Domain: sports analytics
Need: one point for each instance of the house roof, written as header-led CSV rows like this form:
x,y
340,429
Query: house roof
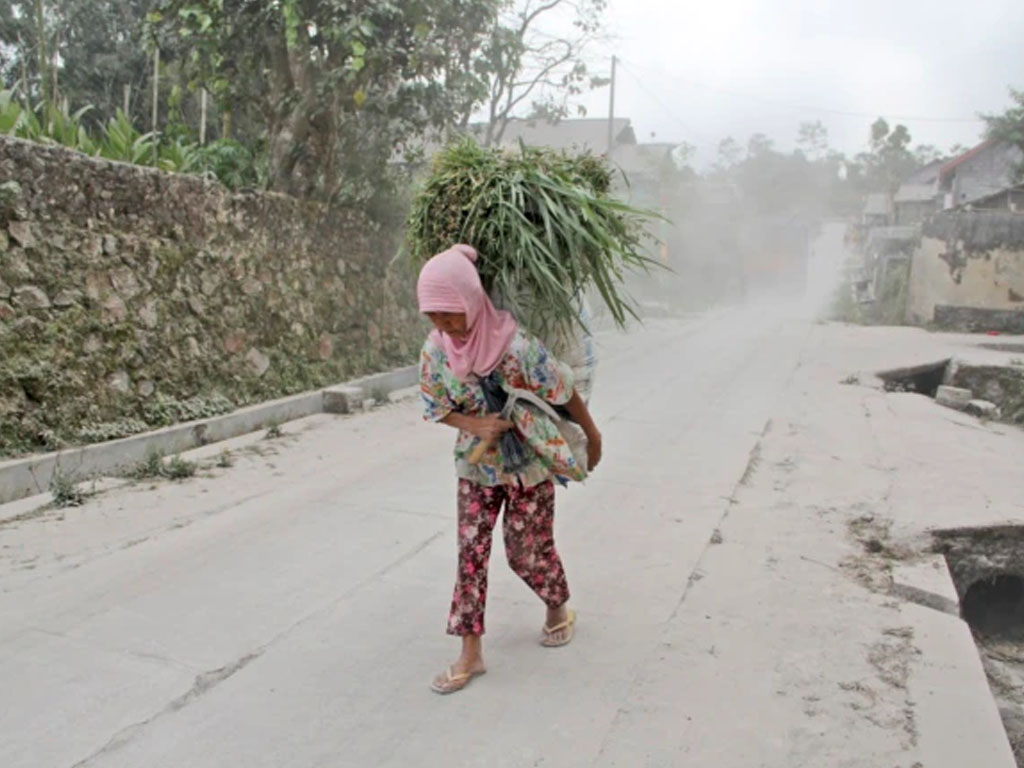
x,y
927,175
636,159
1011,192
953,164
585,133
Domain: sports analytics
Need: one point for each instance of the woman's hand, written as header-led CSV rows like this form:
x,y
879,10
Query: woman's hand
x,y
593,450
490,427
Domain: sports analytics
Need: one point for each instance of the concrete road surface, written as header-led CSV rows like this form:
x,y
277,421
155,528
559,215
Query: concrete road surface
x,y
290,610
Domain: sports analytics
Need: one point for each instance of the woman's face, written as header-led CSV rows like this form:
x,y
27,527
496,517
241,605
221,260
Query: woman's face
x,y
451,323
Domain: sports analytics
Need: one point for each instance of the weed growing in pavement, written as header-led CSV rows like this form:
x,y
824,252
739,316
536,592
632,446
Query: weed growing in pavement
x,y
180,469
1018,361
274,431
851,379
153,467
225,460
64,487
149,467
380,397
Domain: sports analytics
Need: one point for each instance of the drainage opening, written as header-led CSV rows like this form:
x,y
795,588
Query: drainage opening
x,y
923,379
987,565
994,607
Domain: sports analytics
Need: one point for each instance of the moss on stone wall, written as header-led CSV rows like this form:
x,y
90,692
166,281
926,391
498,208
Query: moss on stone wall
x,y
132,298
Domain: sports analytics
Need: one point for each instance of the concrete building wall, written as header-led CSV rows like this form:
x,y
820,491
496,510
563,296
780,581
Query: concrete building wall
x,y
943,275
986,173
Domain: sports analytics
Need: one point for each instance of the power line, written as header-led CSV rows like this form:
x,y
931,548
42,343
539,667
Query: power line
x,y
807,108
696,135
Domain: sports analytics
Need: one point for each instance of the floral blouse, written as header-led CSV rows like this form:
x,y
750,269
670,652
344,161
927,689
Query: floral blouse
x,y
527,365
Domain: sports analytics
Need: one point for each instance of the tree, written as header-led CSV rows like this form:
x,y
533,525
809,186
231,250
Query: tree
x,y
812,138
890,159
529,64
91,54
729,153
1009,126
336,85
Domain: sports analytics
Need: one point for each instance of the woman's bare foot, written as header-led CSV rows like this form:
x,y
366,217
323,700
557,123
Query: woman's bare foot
x,y
470,664
559,626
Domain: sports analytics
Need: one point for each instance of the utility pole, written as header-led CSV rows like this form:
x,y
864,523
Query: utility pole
x,y
156,102
611,108
202,117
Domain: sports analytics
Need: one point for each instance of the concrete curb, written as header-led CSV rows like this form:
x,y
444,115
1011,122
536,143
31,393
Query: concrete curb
x,y
31,475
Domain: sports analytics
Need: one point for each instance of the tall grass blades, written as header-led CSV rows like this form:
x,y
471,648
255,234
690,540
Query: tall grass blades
x,y
544,223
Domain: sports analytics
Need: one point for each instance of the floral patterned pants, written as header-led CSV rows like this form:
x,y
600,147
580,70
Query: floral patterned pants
x,y
529,543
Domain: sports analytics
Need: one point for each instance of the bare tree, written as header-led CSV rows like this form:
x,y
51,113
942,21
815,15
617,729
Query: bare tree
x,y
536,56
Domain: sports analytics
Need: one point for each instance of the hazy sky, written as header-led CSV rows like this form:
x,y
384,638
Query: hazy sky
x,y
699,71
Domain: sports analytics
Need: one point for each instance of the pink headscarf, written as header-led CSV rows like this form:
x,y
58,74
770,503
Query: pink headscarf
x,y
449,282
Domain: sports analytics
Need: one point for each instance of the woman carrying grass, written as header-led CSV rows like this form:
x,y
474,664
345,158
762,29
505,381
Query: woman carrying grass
x,y
473,341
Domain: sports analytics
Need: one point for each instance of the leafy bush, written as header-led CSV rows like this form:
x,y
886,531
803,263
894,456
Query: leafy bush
x,y
64,489
232,163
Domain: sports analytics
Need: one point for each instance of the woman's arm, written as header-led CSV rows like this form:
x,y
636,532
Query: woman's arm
x,y
581,415
488,428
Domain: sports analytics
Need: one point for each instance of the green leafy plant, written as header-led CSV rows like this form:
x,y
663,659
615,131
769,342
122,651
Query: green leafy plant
x,y
180,469
152,466
274,431
543,222
64,489
225,460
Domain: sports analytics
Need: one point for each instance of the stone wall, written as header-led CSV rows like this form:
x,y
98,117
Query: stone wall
x,y
969,265
132,298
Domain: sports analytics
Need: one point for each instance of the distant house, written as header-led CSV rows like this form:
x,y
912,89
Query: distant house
x,y
1011,199
571,135
986,170
877,211
918,196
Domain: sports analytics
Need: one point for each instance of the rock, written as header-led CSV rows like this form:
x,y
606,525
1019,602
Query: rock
x,y
110,245
114,309
6,311
984,409
193,347
10,194
234,343
120,382
5,290
21,233
31,297
146,388
66,299
197,305
92,248
125,282
953,397
149,316
92,344
18,266
96,286
258,362
298,329
343,399
325,347
5,241
341,267
209,283
252,287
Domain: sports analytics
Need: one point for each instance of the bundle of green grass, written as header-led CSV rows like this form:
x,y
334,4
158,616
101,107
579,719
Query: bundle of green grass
x,y
545,226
